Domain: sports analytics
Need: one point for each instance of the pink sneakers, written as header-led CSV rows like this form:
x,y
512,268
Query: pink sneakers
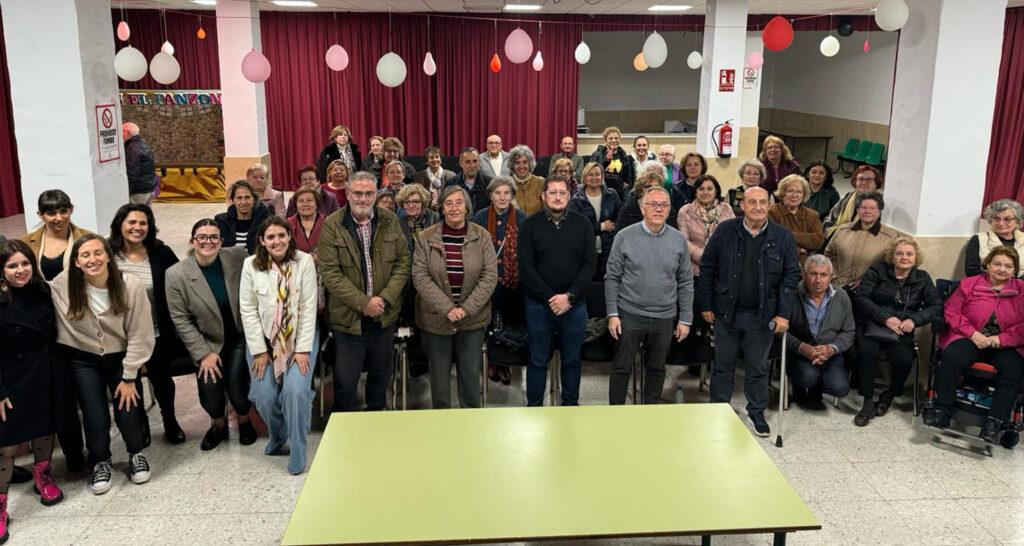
x,y
3,518
49,493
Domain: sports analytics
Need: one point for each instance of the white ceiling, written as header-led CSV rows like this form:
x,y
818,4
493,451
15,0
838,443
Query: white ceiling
x,y
591,7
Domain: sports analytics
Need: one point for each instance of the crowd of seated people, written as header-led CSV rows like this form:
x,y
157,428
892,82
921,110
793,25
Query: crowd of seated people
x,y
366,243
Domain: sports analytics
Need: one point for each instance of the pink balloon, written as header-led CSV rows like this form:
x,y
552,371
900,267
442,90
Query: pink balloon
x,y
337,58
122,31
538,62
429,66
255,67
867,46
518,46
755,59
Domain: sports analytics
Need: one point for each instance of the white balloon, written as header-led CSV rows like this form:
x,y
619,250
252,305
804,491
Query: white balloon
x,y
829,46
164,68
582,53
167,48
694,60
130,64
655,50
391,69
538,62
891,14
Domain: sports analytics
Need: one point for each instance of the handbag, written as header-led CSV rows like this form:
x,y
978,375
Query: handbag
x,y
880,332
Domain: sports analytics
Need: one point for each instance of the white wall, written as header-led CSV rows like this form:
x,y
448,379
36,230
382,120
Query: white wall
x,y
852,85
609,81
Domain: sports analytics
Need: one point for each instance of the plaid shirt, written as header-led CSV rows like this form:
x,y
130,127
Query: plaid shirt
x,y
365,232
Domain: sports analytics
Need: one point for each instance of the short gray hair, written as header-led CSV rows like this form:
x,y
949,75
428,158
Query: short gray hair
x,y
364,176
448,190
656,189
517,151
999,206
819,259
755,163
500,181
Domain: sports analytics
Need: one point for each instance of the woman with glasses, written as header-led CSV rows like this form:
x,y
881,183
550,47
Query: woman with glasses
x,y
789,211
1003,217
202,297
778,162
865,179
752,174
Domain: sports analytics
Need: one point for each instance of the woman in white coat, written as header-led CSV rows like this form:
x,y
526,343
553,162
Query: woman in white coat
x,y
278,306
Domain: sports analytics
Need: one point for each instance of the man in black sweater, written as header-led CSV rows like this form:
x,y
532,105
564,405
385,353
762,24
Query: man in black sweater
x,y
557,258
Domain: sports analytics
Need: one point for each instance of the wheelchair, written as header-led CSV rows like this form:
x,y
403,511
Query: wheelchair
x,y
974,394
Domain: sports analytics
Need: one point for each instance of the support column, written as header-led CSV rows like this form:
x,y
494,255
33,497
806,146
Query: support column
x,y
725,37
244,102
943,100
67,115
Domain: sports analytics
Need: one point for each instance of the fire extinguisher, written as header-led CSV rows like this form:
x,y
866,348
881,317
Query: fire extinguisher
x,y
723,144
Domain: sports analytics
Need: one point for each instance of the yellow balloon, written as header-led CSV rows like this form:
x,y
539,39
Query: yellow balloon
x,y
639,63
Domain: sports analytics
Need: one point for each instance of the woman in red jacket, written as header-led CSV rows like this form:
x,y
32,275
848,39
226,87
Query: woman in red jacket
x,y
985,322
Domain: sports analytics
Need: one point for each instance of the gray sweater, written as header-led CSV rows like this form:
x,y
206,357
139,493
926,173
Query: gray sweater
x,y
649,275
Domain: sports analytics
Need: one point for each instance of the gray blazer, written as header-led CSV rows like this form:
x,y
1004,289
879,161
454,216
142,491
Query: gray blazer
x,y
485,164
192,306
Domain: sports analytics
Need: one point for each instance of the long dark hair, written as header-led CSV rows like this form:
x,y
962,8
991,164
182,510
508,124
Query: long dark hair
x,y
10,248
78,294
263,258
117,239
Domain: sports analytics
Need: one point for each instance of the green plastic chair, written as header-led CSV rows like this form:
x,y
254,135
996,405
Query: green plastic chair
x,y
849,150
874,157
859,157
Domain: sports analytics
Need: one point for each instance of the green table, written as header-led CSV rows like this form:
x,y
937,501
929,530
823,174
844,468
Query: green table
x,y
513,474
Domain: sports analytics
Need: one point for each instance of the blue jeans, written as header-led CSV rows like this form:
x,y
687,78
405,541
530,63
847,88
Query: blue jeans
x,y
287,408
543,326
744,335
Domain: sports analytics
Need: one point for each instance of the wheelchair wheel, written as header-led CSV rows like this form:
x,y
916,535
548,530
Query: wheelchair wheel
x,y
1009,439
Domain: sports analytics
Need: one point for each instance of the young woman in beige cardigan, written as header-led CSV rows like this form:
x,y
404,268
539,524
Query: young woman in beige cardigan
x,y
104,319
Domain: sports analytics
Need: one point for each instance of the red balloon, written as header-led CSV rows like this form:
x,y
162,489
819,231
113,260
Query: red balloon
x,y
495,63
778,34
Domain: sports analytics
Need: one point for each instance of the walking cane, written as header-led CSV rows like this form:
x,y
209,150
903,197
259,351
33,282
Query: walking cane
x,y
782,391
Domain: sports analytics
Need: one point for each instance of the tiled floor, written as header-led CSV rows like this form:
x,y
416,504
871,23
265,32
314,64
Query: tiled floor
x,y
887,483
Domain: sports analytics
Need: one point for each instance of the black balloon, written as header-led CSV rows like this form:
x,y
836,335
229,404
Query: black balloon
x,y
845,27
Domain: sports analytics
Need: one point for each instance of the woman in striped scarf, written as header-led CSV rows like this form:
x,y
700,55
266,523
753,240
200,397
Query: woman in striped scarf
x,y
277,302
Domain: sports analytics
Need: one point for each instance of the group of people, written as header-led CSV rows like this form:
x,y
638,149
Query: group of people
x,y
365,245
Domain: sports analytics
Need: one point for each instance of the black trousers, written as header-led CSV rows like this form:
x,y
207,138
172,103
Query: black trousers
x,y
901,356
159,373
657,333
372,351
960,354
232,386
92,377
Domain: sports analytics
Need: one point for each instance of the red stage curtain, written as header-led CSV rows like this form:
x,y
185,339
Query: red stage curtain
x,y
1005,176
305,98
200,68
10,177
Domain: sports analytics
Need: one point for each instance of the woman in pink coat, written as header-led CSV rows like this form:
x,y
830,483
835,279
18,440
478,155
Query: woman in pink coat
x,y
984,322
698,219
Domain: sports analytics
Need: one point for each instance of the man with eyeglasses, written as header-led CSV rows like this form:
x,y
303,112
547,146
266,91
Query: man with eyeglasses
x,y
471,179
746,290
364,263
492,163
557,258
648,293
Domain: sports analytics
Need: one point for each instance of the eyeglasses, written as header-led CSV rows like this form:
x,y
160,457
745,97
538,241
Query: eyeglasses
x,y
863,179
203,238
497,143
1004,220
413,202
363,194
656,206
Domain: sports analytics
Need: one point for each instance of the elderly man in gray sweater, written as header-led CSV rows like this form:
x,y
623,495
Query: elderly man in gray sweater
x,y
648,293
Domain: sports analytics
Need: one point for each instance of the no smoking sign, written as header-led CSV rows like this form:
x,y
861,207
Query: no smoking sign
x,y
108,143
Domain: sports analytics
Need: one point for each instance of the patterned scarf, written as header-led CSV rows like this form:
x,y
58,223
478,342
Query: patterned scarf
x,y
346,155
709,215
282,334
416,224
506,248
